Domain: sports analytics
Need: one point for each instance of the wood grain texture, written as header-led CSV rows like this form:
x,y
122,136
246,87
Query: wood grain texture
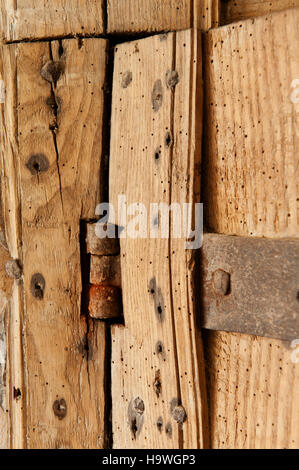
x,y
251,177
133,16
157,357
253,392
252,131
236,10
6,287
63,353
40,19
11,238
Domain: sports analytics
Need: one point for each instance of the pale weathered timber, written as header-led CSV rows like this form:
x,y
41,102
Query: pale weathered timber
x,y
251,167
236,10
251,177
39,19
158,384
51,128
135,16
250,285
5,292
253,392
12,298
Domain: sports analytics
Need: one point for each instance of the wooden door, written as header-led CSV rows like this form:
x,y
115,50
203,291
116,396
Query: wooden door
x,y
107,343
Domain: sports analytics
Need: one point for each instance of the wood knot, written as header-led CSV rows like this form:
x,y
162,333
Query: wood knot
x,y
37,286
157,95
60,408
160,423
13,269
159,349
157,383
54,102
52,71
37,163
168,140
221,282
156,294
168,430
136,416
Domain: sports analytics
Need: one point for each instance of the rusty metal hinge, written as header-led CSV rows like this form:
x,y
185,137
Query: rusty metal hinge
x,y
105,300
250,285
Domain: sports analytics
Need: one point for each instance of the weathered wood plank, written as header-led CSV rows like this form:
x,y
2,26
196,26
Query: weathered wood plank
x,y
252,188
251,177
157,357
253,392
42,19
11,238
135,16
5,292
236,10
55,158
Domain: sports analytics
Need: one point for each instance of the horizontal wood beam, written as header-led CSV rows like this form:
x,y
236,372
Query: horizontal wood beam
x,y
34,20
138,16
236,10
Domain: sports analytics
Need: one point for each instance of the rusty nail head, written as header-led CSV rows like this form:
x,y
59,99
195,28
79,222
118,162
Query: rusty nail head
x,y
37,163
138,405
37,285
13,269
60,408
221,282
179,414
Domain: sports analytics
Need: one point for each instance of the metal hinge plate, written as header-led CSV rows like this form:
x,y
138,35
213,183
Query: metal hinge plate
x,y
250,285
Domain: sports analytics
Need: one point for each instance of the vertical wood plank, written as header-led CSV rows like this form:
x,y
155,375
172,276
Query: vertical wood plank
x,y
10,199
251,188
253,392
54,155
157,357
251,178
41,19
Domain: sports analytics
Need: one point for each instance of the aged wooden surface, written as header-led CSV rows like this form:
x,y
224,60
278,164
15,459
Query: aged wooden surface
x,y
5,291
236,10
135,16
11,239
40,19
251,167
251,177
158,385
253,391
250,285
51,126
